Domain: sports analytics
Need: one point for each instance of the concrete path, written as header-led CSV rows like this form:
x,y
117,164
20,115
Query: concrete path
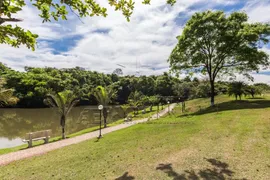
x,y
42,149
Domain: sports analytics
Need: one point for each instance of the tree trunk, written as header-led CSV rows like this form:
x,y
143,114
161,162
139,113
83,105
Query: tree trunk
x,y
63,123
212,84
63,133
151,108
105,115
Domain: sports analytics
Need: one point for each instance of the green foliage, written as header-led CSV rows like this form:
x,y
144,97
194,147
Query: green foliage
x,y
125,108
215,44
135,100
48,10
237,89
203,90
16,36
184,90
64,102
253,90
104,95
264,87
6,95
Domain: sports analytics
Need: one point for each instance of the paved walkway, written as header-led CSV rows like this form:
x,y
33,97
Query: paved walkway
x,y
39,150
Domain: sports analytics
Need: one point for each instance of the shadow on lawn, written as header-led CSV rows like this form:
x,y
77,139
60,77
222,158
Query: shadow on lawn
x,y
233,105
125,176
219,171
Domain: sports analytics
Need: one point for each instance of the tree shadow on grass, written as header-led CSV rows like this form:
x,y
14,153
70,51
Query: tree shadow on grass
x,y
255,98
232,105
219,171
125,176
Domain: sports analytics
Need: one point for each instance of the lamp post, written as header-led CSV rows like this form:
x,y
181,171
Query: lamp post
x,y
100,108
168,106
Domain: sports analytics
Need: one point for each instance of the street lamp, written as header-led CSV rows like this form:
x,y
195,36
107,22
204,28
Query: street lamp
x,y
100,107
168,106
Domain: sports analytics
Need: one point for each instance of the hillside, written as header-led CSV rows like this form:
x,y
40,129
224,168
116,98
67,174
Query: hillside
x,y
230,141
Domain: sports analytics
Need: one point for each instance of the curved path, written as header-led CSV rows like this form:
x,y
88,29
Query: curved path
x,y
39,150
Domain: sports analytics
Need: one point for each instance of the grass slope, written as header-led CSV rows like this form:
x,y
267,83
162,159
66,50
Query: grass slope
x,y
230,141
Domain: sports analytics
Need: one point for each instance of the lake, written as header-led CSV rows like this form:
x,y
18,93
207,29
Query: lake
x,y
15,123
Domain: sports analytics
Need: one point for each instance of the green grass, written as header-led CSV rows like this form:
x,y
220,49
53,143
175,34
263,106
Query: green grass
x,y
229,141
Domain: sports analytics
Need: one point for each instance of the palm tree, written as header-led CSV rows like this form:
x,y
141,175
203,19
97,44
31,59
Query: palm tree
x,y
237,89
64,101
6,95
134,100
125,108
104,96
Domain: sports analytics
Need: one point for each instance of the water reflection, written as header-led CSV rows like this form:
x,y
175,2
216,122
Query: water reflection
x,y
15,123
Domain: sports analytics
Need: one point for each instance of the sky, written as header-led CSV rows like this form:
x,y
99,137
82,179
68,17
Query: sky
x,y
142,45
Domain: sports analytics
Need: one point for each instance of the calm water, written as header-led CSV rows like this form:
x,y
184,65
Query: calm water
x,y
15,123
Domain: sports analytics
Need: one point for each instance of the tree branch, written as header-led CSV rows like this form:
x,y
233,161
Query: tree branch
x,y
75,14
2,20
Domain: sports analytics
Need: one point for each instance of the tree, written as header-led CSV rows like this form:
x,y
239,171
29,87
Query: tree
x,y
184,90
253,90
104,96
125,108
154,100
15,36
203,90
134,100
118,71
264,87
237,89
164,84
6,95
64,101
215,44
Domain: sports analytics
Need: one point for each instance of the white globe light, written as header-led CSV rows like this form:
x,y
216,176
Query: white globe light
x,y
100,107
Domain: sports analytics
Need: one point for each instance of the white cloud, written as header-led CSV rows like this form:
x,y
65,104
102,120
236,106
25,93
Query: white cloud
x,y
258,10
143,44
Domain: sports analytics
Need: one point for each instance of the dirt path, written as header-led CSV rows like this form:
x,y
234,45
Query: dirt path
x,y
39,150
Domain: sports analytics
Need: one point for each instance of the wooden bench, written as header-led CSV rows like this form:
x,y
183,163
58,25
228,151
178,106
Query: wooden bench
x,y
36,136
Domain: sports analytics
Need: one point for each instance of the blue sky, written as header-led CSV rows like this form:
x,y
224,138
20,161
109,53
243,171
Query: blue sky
x,y
142,45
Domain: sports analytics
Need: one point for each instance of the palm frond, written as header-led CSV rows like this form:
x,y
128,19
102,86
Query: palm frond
x,y
104,95
71,105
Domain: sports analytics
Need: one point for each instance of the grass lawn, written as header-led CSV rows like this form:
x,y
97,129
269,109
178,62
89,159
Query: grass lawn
x,y
230,141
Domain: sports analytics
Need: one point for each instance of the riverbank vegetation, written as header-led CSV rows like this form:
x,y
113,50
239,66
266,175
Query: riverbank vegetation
x,y
32,86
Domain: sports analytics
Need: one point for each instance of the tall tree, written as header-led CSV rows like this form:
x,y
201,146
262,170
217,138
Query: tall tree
x,y
48,10
64,102
215,44
104,96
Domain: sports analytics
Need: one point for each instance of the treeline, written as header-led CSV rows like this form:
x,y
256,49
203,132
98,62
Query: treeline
x,y
31,86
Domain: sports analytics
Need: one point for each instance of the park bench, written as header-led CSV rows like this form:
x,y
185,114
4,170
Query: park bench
x,y
36,136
